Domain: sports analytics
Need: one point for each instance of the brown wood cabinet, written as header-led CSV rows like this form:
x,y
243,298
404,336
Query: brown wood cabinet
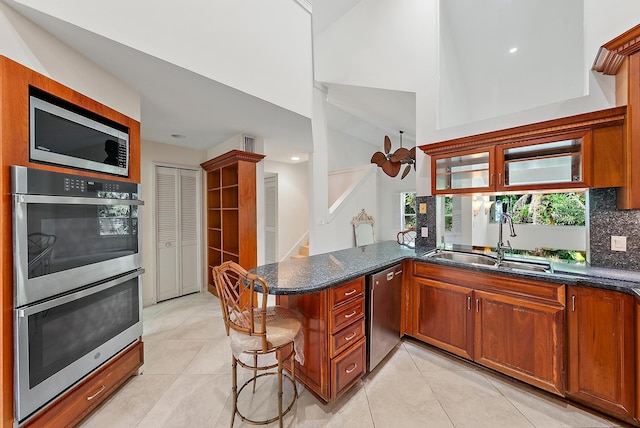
x,y
512,325
15,80
584,151
520,337
601,352
231,210
334,338
443,316
87,394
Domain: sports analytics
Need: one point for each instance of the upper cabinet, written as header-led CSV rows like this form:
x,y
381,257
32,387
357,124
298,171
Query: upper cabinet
x,y
621,57
584,151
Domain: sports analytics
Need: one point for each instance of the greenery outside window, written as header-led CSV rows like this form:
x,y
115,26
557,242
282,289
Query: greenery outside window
x,y
408,210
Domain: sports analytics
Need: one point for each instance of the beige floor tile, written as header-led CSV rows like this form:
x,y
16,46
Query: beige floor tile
x,y
351,410
192,401
213,358
470,400
543,410
428,359
171,356
128,406
403,396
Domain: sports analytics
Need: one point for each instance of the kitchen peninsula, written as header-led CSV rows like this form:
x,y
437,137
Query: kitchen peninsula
x,y
572,332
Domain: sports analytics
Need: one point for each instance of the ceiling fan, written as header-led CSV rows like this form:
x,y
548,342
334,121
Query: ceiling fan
x,y
391,163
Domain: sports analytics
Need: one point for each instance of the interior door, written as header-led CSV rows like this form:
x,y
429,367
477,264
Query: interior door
x,y
177,232
271,218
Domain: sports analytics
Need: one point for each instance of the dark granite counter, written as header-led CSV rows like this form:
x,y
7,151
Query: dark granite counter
x,y
322,271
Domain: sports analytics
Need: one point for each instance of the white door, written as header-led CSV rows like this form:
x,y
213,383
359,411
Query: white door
x,y
271,218
177,219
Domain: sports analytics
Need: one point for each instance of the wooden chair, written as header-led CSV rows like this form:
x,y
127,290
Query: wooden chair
x,y
256,330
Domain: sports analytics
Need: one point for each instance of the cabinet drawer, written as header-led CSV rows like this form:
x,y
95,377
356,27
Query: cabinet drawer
x,y
345,315
84,397
348,368
346,337
345,292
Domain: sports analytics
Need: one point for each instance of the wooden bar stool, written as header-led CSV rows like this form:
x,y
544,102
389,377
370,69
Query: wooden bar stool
x,y
264,333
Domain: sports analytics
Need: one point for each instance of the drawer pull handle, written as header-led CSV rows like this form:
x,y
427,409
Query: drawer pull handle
x,y
349,371
351,314
354,334
350,292
91,397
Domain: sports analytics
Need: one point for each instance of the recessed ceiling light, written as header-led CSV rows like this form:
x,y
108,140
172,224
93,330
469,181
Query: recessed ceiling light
x,y
295,158
178,136
513,50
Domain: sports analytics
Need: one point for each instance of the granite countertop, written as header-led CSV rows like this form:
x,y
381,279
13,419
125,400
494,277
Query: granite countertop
x,y
322,271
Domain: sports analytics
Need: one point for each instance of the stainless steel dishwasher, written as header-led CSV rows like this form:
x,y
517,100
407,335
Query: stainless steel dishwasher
x,y
383,314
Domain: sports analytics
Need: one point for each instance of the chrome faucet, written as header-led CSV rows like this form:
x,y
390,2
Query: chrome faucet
x,y
505,218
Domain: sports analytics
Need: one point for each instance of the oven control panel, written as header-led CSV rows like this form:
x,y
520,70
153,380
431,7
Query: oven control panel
x,y
42,182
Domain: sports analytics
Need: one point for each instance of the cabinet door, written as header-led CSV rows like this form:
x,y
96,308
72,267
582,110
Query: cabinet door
x,y
442,316
561,161
463,171
601,354
520,338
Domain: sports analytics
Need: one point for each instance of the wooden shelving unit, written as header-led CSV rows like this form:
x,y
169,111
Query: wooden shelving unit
x,y
231,210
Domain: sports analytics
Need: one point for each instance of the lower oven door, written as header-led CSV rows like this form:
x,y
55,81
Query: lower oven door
x,y
62,340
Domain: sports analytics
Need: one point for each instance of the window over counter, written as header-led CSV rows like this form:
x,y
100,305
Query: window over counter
x,y
548,225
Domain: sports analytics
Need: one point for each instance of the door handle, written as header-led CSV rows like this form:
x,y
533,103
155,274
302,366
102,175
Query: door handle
x,y
468,303
351,314
355,366
477,305
349,293
354,334
573,303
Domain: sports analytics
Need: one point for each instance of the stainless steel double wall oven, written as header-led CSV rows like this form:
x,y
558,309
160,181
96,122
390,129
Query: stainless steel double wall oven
x,y
77,267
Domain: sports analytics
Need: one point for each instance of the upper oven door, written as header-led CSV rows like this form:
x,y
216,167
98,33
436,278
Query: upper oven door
x,y
62,243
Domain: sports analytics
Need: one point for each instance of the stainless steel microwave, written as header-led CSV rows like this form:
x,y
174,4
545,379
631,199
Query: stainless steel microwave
x,y
59,135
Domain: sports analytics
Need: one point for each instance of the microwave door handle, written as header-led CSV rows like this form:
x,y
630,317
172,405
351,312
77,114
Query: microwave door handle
x,y
70,200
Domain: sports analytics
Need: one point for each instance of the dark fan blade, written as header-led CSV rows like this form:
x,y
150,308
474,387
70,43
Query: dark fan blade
x,y
387,144
406,171
378,158
391,168
400,155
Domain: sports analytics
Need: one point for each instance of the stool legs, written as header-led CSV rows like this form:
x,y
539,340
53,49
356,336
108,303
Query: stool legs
x,y
234,369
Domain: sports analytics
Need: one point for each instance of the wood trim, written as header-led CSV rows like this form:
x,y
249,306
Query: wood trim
x,y
231,157
15,80
601,118
612,54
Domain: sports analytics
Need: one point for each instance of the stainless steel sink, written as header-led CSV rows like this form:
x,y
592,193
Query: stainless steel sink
x,y
464,257
486,260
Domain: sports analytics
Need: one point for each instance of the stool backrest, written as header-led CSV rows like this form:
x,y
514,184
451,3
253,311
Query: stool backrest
x,y
238,299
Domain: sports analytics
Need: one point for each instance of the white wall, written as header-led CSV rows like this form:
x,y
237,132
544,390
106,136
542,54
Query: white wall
x,y
293,203
29,45
167,155
261,48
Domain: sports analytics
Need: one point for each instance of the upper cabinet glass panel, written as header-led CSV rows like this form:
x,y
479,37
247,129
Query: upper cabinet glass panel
x,y
464,171
554,162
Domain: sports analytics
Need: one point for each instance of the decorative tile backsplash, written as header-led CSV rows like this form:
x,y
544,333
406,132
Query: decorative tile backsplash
x,y
606,221
427,220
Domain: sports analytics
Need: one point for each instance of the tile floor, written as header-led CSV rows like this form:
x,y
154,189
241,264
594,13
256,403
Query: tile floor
x,y
187,382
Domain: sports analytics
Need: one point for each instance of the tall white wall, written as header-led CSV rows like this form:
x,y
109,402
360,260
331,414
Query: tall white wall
x,y
152,154
29,45
261,48
293,203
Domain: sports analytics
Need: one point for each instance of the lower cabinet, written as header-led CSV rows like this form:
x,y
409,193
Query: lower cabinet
x,y
75,404
335,344
512,325
443,316
601,351
521,338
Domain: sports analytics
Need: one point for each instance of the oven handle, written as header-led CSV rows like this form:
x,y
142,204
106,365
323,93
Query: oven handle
x,y
69,200
39,307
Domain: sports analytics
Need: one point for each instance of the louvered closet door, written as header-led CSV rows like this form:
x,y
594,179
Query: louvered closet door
x,y
189,266
176,232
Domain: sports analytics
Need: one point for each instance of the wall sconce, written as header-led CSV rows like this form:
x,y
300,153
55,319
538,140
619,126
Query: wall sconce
x,y
487,206
477,204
